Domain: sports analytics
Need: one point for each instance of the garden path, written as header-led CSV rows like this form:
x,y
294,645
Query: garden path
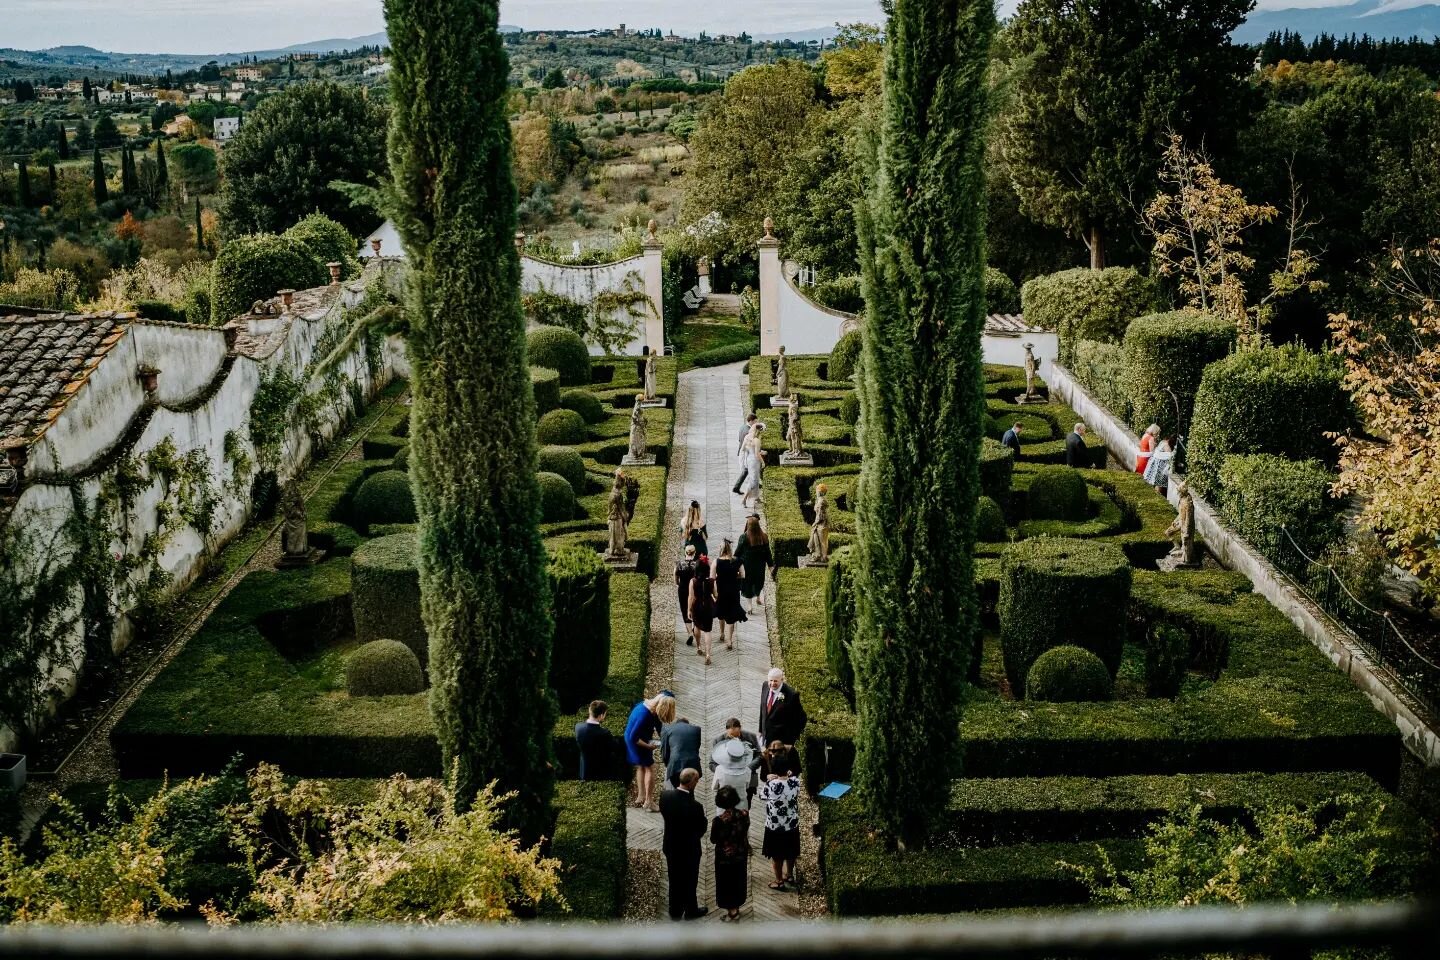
x,y
710,407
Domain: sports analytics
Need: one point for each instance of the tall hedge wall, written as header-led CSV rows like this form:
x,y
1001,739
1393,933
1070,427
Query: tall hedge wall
x,y
840,621
1165,356
386,577
580,588
1278,400
1083,304
1055,591
1261,493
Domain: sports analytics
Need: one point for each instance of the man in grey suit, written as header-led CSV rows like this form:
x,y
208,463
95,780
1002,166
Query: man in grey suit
x,y
733,731
679,748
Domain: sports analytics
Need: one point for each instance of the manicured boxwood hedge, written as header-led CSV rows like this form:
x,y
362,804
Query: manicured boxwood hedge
x,y
561,350
580,596
561,428
584,403
566,462
1085,304
845,357
385,575
590,836
545,383
1262,496
997,464
1069,675
1165,356
1057,493
729,353
1056,591
1279,400
385,497
383,668
557,498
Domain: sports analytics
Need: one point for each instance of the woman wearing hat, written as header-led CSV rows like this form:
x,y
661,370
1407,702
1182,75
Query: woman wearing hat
x,y
733,759
730,832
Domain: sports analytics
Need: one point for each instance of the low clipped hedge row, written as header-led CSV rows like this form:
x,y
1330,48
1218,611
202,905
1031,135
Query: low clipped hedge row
x,y
729,353
589,841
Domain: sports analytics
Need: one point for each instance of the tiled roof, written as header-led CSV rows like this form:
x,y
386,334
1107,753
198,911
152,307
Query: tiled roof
x,y
43,361
1009,323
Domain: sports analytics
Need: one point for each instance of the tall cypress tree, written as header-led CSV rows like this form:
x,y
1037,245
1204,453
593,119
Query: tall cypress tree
x,y
162,168
483,584
102,192
922,245
64,144
199,227
22,185
127,172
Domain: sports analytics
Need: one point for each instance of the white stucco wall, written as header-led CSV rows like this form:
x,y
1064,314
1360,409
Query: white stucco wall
x,y
584,284
805,326
1009,349
199,399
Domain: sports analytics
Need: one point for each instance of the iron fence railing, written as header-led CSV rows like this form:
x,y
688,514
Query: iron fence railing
x,y
1417,674
1409,930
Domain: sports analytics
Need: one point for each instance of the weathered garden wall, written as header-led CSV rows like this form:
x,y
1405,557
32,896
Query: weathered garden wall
x,y
587,284
162,481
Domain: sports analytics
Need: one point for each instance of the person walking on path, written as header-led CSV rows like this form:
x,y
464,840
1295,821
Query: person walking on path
x,y
684,573
781,845
727,594
702,607
685,827
750,422
730,832
754,458
679,748
693,532
641,728
1148,440
782,717
755,557
597,745
1012,439
731,760
734,731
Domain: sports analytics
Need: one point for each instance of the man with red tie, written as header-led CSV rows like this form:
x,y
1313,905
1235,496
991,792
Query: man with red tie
x,y
781,715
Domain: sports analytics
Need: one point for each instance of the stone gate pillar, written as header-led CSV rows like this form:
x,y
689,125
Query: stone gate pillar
x,y
655,290
770,340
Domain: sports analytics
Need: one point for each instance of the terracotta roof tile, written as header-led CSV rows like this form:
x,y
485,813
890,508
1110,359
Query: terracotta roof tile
x,y
44,360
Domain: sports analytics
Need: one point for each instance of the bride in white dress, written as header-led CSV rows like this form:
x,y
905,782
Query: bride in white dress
x,y
754,462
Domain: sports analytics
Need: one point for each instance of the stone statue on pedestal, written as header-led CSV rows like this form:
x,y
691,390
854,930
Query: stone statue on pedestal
x,y
782,376
295,533
819,548
796,436
1032,367
639,449
1187,552
650,376
619,517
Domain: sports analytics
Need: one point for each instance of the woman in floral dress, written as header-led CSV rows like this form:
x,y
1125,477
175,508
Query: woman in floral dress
x,y
781,793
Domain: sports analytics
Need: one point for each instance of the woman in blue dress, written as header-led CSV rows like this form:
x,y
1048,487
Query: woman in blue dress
x,y
642,731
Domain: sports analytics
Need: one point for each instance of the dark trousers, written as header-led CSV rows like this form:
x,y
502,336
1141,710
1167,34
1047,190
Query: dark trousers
x,y
744,472
684,870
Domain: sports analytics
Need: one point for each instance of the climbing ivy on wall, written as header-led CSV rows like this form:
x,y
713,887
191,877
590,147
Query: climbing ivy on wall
x,y
609,322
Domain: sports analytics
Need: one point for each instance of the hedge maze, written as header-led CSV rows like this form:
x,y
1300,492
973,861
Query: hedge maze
x,y
1175,690
265,677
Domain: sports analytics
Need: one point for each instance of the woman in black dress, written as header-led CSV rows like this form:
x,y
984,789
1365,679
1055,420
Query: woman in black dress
x,y
730,832
702,607
684,573
727,594
755,556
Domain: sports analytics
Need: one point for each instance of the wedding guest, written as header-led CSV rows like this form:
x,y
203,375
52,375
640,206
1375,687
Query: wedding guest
x,y
684,573
728,609
730,832
781,846
750,422
597,745
693,529
781,715
679,748
1076,453
702,607
1148,441
685,824
1012,439
755,557
641,728
734,731
731,762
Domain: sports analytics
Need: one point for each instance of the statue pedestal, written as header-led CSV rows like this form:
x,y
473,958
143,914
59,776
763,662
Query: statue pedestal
x,y
1023,400
291,561
629,564
807,563
789,460
629,461
1171,563
659,403
779,401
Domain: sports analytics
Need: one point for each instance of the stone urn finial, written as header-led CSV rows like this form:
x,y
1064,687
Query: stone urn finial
x,y
651,230
520,240
769,228
375,245
334,268
287,298
149,377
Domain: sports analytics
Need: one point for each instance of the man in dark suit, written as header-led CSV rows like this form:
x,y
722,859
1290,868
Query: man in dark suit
x,y
1076,453
781,715
685,827
679,748
597,745
733,731
1012,439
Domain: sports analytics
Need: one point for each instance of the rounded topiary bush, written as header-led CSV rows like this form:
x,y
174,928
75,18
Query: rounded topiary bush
x,y
385,592
1056,591
850,409
328,242
1083,304
401,459
1167,353
257,267
557,498
385,497
1278,400
567,463
584,403
845,357
545,383
1069,675
563,427
580,597
997,467
383,668
562,350
990,522
1001,294
1058,493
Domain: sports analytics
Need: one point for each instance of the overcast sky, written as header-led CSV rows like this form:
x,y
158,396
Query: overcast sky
x,y
221,26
